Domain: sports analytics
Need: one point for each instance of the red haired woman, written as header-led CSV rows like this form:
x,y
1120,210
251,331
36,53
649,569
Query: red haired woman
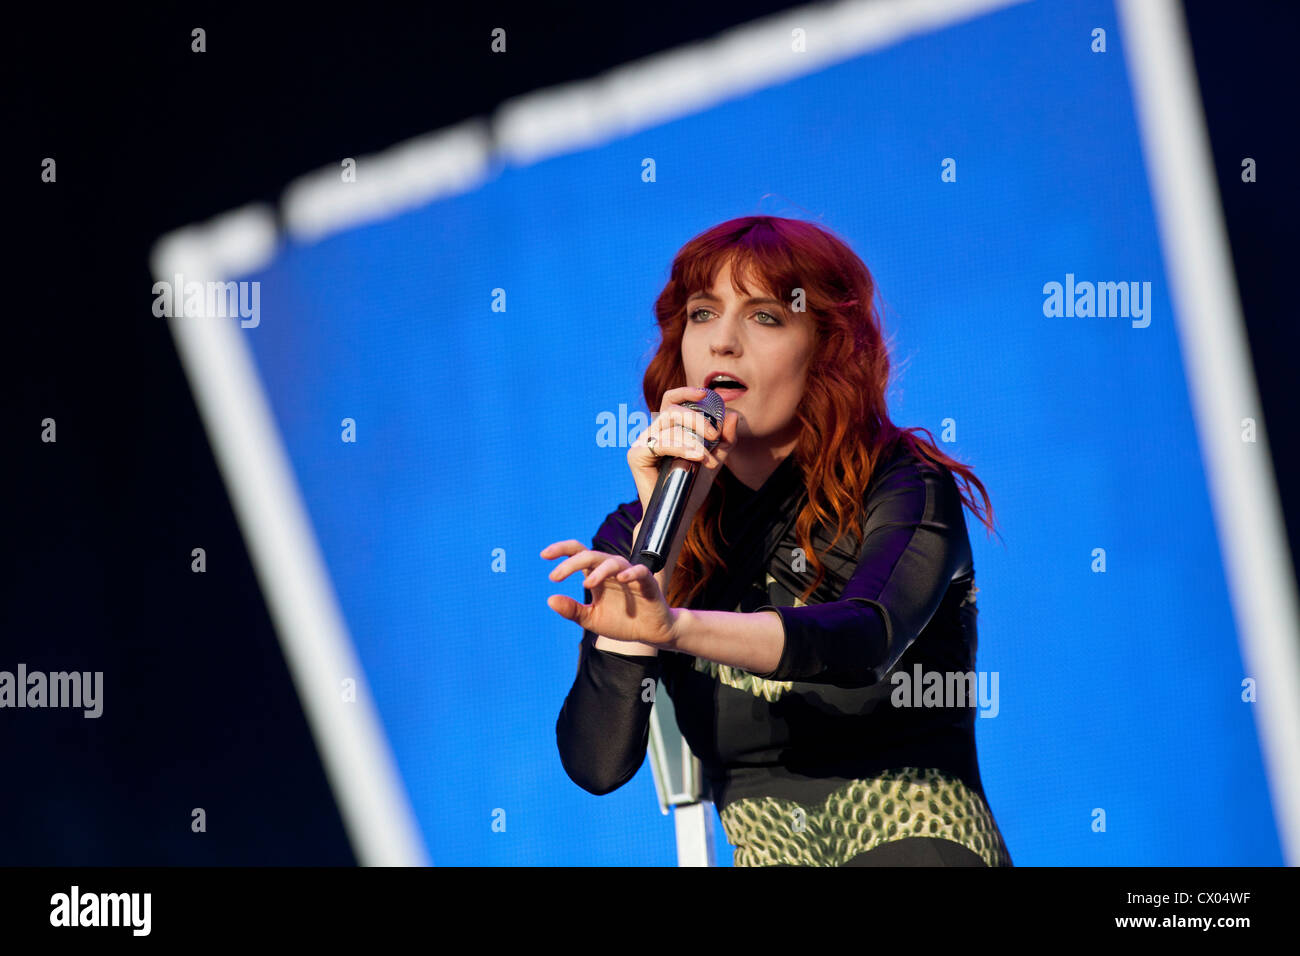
x,y
822,553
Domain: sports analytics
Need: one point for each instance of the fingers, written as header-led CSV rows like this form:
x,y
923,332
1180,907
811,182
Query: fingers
x,y
682,429
692,420
675,396
635,572
678,441
584,558
672,439
672,402
715,456
564,606
558,548
730,424
677,431
607,567
599,565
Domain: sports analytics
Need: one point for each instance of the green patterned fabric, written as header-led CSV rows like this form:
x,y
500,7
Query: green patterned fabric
x,y
862,815
770,690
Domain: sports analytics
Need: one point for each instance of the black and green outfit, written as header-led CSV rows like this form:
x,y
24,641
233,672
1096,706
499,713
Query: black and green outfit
x,y
812,764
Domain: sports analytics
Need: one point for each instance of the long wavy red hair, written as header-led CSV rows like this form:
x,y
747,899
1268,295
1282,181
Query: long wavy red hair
x,y
845,424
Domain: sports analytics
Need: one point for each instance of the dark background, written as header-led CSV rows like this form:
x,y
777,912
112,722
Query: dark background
x,y
200,710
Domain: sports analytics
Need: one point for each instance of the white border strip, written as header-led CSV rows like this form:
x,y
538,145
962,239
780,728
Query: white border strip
x,y
290,569
666,86
635,96
1221,379
410,174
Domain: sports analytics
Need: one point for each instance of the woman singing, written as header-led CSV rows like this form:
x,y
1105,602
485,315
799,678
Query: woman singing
x,y
822,563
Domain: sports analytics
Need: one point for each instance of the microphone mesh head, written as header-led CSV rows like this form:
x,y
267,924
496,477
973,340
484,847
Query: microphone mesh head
x,y
712,407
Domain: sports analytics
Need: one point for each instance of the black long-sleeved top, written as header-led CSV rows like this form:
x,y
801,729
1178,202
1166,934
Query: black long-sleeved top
x,y
812,763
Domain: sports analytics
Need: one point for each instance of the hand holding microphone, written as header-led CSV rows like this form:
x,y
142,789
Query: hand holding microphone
x,y
674,467
674,463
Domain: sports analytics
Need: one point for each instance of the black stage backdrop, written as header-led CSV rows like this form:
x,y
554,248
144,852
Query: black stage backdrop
x,y
98,528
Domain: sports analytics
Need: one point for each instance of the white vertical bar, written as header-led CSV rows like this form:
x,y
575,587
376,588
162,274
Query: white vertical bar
x,y
695,834
1211,330
290,568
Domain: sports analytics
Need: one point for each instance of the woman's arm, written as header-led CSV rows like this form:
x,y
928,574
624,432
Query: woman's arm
x,y
752,642
915,543
603,726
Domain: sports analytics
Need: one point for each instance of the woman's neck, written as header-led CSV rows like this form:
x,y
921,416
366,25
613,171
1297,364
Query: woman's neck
x,y
753,467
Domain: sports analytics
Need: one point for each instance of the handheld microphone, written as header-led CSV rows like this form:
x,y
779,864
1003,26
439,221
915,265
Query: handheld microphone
x,y
673,491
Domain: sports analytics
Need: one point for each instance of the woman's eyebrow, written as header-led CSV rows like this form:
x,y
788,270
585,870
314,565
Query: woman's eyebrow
x,y
752,300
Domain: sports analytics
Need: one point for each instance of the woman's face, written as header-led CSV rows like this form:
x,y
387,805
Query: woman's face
x,y
761,342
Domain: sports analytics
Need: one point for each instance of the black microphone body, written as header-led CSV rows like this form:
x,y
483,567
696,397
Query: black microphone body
x,y
672,492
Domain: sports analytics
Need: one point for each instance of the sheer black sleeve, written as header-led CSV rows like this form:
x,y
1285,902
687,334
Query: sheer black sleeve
x,y
604,725
915,543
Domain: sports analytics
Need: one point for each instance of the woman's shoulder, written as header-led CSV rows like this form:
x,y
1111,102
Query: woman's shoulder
x,y
902,470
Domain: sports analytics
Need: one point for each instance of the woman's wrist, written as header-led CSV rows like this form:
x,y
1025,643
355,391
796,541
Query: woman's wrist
x,y
751,641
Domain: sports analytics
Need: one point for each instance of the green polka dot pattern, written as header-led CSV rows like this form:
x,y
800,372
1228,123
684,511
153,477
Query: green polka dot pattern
x,y
770,690
861,815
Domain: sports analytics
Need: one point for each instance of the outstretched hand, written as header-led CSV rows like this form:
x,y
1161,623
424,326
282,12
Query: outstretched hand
x,y
627,603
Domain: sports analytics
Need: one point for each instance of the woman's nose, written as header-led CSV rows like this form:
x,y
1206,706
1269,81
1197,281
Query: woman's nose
x,y
723,336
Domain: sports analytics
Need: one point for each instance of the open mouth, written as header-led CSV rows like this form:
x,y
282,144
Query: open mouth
x,y
721,382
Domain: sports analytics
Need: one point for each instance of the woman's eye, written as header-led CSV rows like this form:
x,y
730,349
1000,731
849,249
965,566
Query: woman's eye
x,y
774,319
